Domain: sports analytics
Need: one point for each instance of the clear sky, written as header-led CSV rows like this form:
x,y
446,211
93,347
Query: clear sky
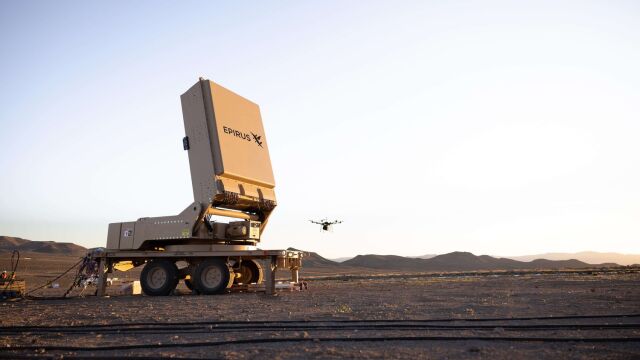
x,y
496,127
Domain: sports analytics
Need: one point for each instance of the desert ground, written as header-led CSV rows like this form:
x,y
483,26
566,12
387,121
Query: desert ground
x,y
576,315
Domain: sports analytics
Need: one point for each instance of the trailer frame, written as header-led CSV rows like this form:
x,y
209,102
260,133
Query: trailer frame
x,y
271,260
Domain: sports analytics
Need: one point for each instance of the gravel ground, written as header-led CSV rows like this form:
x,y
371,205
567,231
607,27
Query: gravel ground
x,y
468,297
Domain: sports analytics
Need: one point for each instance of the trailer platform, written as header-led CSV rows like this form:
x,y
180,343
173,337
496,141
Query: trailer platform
x,y
271,261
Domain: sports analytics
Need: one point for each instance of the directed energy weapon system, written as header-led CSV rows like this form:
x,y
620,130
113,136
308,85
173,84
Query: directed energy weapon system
x,y
231,177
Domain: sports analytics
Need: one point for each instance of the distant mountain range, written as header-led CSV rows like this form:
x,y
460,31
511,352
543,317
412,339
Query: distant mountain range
x,y
462,261
455,261
590,257
426,256
8,244
586,256
343,259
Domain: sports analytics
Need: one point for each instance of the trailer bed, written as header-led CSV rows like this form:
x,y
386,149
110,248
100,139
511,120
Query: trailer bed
x,y
272,260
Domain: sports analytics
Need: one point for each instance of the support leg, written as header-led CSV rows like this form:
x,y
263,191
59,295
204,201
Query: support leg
x,y
270,275
102,277
294,276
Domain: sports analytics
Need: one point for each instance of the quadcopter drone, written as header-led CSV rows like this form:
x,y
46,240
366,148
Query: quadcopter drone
x,y
326,224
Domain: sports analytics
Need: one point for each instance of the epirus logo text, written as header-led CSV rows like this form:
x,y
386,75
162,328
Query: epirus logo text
x,y
243,135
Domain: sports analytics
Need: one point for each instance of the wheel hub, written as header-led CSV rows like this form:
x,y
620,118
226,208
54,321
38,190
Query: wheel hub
x,y
211,277
245,274
157,278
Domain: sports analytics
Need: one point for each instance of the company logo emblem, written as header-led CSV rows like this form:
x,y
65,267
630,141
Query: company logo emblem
x,y
257,139
244,136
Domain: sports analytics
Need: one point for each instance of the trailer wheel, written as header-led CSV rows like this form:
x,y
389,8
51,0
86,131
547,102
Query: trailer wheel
x,y
250,272
212,276
159,277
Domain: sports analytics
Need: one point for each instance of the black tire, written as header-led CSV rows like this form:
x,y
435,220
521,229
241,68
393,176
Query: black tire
x,y
212,276
189,284
159,277
250,272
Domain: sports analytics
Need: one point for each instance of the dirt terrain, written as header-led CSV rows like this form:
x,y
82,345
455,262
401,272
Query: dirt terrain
x,y
433,317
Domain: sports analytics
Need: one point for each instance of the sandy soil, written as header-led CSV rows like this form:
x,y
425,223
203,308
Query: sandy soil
x,y
336,301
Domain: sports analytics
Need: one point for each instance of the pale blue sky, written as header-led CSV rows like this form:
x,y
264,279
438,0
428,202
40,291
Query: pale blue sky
x,y
497,127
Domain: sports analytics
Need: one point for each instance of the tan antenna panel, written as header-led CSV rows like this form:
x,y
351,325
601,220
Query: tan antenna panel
x,y
243,145
228,151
